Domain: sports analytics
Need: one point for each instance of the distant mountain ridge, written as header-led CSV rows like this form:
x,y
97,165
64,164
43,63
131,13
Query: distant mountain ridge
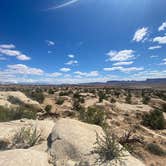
x,y
154,80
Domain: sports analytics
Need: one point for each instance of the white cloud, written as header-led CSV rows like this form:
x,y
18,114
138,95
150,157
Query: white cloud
x,y
154,47
65,69
123,63
23,69
154,56
122,69
64,4
8,49
7,46
164,61
121,55
23,57
162,27
55,74
50,43
72,62
150,74
71,56
160,40
88,74
140,34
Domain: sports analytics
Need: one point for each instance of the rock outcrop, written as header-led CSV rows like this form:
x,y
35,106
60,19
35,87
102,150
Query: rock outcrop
x,y
72,141
23,157
8,129
16,98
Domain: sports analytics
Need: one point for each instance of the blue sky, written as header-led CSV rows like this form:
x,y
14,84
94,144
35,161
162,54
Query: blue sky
x,y
75,41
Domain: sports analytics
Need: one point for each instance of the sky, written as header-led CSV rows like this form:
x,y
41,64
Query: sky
x,y
78,41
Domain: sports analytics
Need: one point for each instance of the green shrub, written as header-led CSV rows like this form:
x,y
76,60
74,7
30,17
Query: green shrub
x,y
113,100
35,95
155,149
48,108
14,100
64,93
108,148
128,98
76,105
102,96
163,107
50,91
145,99
7,114
60,101
94,115
154,119
26,137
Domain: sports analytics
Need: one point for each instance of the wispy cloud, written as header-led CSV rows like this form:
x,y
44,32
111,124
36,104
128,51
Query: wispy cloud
x,y
72,62
65,69
160,39
122,55
122,69
140,34
65,4
9,50
50,43
162,27
154,47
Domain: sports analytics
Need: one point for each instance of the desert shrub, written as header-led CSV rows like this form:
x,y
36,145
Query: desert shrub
x,y
60,101
163,107
14,100
50,91
102,96
113,100
76,95
155,149
154,119
26,137
145,99
129,140
64,93
35,95
48,108
76,105
94,115
4,144
128,98
108,148
7,114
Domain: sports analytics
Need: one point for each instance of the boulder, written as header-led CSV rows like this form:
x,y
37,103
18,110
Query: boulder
x,y
23,157
12,98
8,129
72,140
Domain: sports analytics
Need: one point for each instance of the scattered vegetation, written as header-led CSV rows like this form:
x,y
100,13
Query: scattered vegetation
x,y
60,101
128,98
102,96
35,95
26,137
129,140
155,149
93,115
48,108
108,148
14,100
145,99
7,114
51,91
154,119
163,107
